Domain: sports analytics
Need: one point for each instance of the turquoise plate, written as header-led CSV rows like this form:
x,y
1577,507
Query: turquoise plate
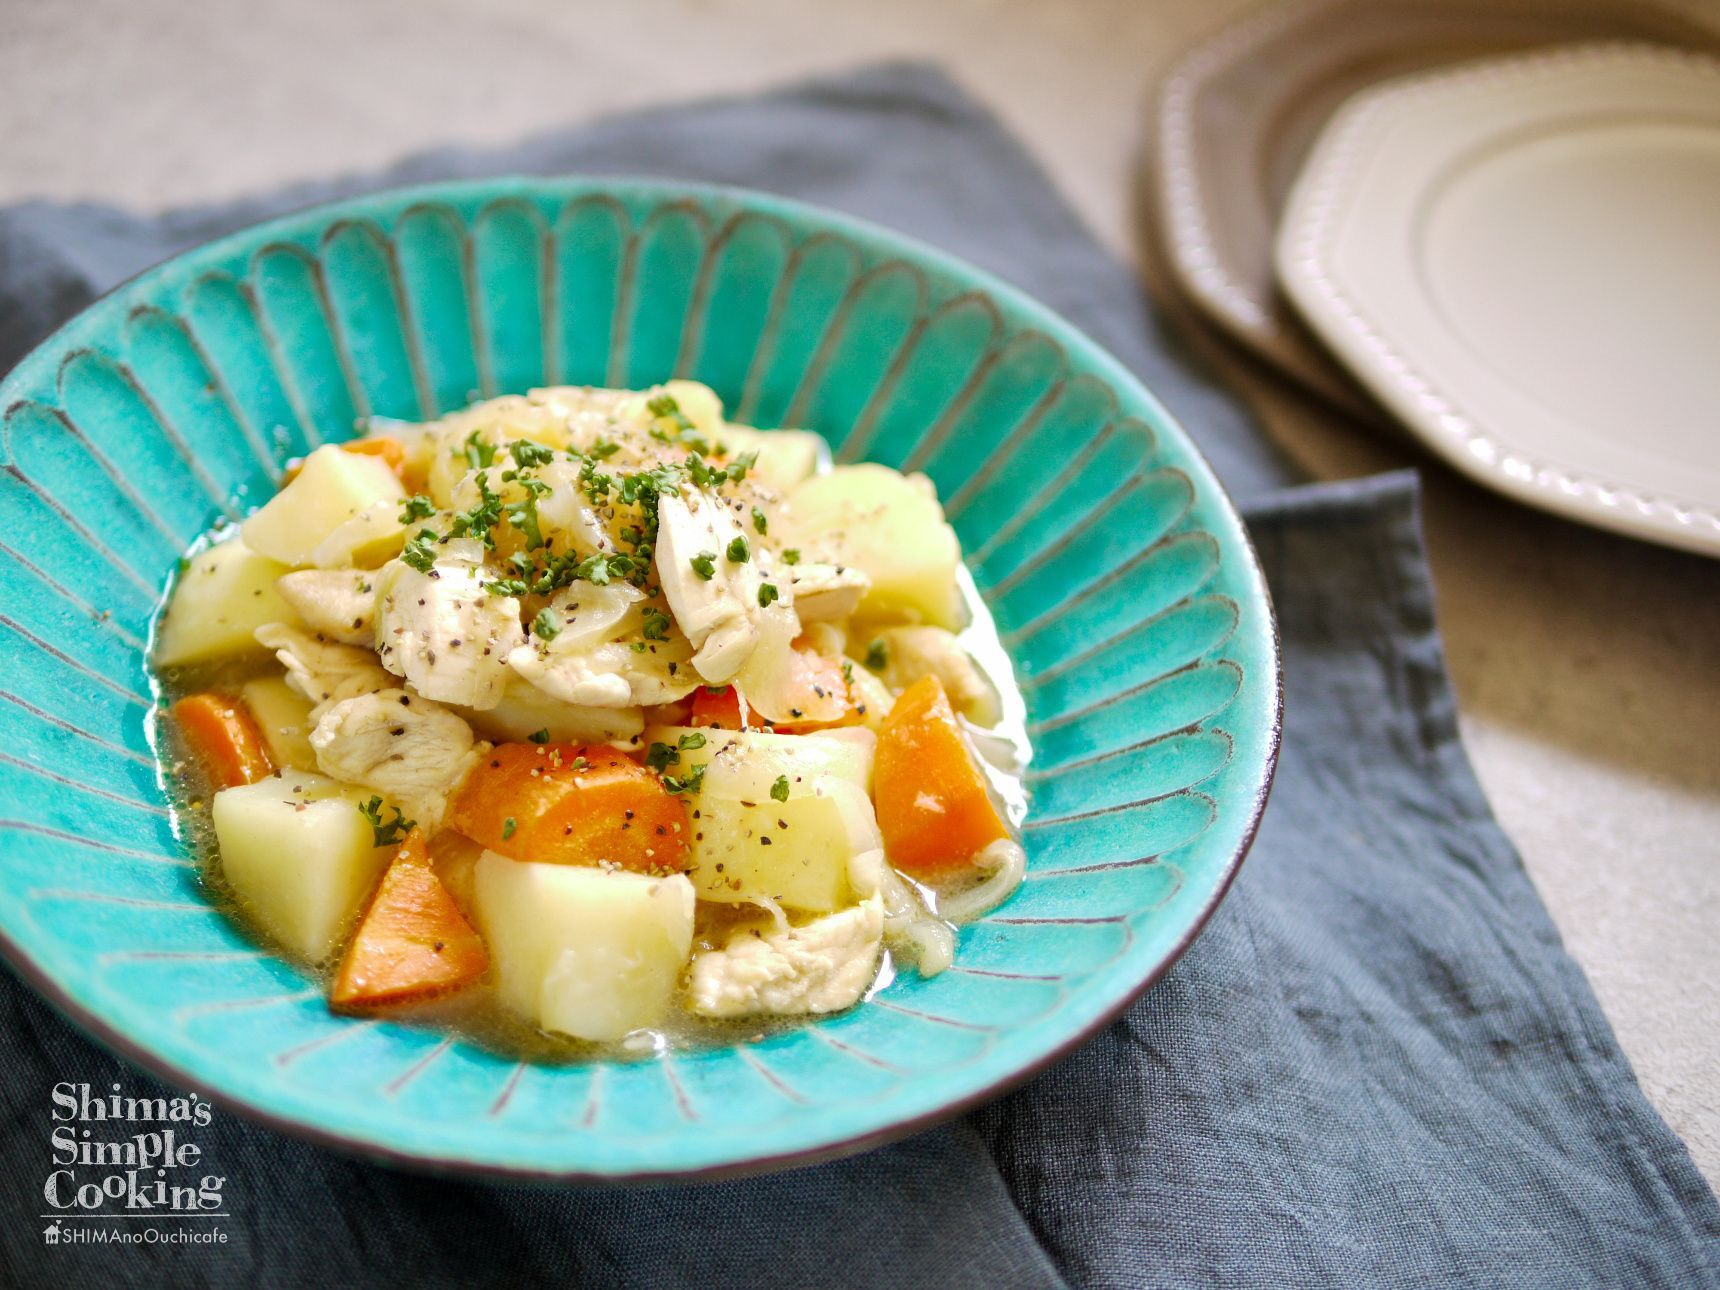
x,y
1119,573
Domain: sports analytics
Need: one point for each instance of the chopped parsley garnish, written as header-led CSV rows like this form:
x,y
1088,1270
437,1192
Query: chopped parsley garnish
x,y
689,742
547,625
417,507
479,455
418,554
656,625
848,671
482,518
791,556
705,564
740,465
766,593
779,790
539,736
508,827
759,521
603,450
738,551
660,757
527,454
688,783
390,834
876,656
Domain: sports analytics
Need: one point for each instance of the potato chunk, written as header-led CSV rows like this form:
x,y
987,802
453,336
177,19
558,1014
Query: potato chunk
x,y
224,595
583,951
891,528
299,856
284,716
340,507
776,827
846,753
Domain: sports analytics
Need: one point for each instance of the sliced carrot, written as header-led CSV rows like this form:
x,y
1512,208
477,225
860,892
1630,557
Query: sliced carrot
x,y
564,804
224,738
391,450
934,809
721,710
413,940
821,693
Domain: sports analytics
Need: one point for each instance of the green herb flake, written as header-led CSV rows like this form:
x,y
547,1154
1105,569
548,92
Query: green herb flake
x,y
479,455
689,742
779,790
528,455
418,554
547,625
738,551
656,626
508,827
539,736
705,564
417,507
791,556
688,783
390,834
766,593
876,656
760,522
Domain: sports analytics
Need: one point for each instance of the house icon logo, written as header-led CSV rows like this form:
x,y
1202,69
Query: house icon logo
x,y
51,1233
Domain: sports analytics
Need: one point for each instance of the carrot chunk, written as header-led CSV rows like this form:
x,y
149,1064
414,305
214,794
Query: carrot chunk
x,y
934,809
721,710
413,941
564,804
224,738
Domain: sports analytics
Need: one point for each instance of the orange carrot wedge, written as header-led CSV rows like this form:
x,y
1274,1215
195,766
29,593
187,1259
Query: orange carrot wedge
x,y
413,941
933,807
224,738
564,804
721,710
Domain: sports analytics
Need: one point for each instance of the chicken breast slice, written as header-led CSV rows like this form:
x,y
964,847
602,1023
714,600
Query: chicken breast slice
x,y
321,670
337,603
764,969
719,614
591,662
826,592
442,631
412,751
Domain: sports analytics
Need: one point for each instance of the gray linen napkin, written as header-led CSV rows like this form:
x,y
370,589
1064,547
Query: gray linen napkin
x,y
1377,1067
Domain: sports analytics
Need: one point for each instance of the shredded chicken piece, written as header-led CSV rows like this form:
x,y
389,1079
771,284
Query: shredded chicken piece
x,y
591,662
323,671
409,749
443,631
820,966
719,613
337,603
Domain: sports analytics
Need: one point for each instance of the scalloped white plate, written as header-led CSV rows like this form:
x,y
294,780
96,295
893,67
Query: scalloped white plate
x,y
1522,260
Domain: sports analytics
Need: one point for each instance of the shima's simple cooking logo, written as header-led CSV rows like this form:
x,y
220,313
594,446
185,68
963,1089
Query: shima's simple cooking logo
x,y
120,1157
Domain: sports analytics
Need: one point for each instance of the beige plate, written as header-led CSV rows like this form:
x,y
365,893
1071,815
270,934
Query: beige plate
x,y
1521,259
1237,116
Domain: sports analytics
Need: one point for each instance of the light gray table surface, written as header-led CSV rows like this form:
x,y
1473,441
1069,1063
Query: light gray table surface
x,y
1587,666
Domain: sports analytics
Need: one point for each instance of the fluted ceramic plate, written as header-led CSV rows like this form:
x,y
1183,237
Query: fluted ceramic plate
x,y
1239,113
1119,573
1521,259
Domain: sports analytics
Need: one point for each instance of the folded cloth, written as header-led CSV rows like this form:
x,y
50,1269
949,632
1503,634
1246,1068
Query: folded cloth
x,y
1377,1066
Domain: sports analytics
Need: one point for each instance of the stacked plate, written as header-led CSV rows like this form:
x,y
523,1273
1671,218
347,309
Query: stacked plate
x,y
1499,225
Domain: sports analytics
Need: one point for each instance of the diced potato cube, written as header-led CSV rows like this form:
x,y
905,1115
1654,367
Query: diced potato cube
x,y
299,856
583,951
224,595
284,716
750,844
845,753
891,528
785,457
333,489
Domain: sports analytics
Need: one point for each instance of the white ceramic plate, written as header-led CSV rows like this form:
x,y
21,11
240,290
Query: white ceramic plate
x,y
1238,114
1522,260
